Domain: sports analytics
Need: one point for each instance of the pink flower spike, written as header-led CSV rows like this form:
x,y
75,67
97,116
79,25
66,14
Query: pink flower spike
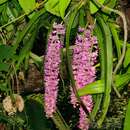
x,y
51,69
84,57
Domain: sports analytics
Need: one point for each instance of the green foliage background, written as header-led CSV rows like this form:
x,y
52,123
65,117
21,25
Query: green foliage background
x,y
24,28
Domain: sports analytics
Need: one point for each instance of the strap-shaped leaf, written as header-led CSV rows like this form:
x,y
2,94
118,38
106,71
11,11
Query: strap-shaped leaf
x,y
108,67
116,39
93,88
98,86
127,118
99,34
122,80
127,58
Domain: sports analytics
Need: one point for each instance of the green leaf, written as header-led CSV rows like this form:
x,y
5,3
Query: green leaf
x,y
75,23
4,67
115,35
27,48
52,6
127,58
27,5
108,67
94,8
63,4
36,115
37,119
127,118
111,4
2,1
98,86
93,88
3,87
1,8
99,34
122,80
29,26
6,52
4,14
59,121
82,20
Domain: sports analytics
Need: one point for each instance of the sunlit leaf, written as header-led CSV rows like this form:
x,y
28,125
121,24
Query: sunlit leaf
x,y
122,80
52,6
27,5
98,86
2,1
63,4
110,4
93,88
94,8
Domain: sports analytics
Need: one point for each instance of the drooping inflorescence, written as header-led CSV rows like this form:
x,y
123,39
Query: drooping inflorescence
x,y
84,57
51,68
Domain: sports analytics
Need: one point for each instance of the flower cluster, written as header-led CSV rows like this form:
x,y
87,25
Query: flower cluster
x,y
51,68
84,57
